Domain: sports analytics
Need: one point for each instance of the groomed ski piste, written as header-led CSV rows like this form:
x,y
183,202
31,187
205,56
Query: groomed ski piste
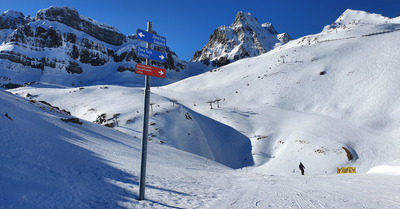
x,y
229,138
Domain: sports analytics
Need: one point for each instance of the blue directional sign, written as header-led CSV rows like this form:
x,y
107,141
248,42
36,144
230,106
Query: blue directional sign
x,y
151,38
150,54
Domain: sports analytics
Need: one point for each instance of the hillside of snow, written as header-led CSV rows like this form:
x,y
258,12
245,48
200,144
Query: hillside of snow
x,y
170,124
72,165
328,103
307,99
86,165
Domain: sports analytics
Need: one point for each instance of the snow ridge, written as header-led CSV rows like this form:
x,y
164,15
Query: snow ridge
x,y
354,18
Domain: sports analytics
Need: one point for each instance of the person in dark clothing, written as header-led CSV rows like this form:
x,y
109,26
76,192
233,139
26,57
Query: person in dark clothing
x,y
301,166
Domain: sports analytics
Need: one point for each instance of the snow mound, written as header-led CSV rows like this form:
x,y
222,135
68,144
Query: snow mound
x,y
391,168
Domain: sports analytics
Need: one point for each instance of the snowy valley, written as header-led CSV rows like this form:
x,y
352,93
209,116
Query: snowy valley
x,y
231,137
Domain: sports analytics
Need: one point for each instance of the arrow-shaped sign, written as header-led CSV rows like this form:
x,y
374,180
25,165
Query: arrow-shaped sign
x,y
141,35
150,54
151,38
150,70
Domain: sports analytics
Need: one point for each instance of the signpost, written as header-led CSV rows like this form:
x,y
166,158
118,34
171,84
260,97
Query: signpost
x,y
151,37
150,54
148,71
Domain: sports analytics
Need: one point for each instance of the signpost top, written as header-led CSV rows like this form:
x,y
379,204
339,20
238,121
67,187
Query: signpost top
x,y
151,38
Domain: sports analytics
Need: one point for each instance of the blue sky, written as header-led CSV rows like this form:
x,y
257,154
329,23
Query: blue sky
x,y
187,24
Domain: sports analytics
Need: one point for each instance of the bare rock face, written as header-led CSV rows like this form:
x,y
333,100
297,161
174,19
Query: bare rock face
x,y
246,37
69,16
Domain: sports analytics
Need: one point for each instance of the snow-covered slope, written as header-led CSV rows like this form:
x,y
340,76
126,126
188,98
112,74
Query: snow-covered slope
x,y
315,102
307,99
85,165
89,166
170,124
246,37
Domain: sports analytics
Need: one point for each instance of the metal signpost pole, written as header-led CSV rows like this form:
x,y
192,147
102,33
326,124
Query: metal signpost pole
x,y
142,182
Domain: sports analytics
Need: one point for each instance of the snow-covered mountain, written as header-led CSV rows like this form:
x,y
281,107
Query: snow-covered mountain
x,y
12,19
61,46
327,100
345,78
245,37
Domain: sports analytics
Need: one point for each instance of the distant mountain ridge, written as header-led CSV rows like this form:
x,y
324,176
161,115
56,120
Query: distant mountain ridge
x,y
61,46
245,37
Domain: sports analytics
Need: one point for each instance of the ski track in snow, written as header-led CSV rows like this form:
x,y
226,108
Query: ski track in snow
x,y
329,191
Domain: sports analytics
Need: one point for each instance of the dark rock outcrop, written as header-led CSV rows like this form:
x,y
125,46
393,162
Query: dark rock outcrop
x,y
69,16
12,19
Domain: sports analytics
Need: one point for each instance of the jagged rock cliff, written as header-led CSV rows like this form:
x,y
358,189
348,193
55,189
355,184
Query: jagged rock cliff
x,y
59,42
246,37
70,17
12,19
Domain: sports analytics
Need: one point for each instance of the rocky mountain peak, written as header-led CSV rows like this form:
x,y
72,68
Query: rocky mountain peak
x,y
12,14
70,17
245,37
11,19
244,19
57,13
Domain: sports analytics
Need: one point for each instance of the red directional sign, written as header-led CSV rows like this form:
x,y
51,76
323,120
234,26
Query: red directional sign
x,y
150,71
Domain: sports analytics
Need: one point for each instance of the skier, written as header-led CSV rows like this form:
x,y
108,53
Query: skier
x,y
301,166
